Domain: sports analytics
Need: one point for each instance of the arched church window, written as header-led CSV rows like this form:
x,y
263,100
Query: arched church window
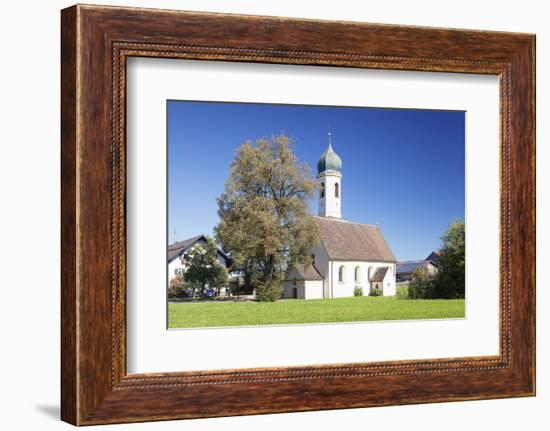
x,y
322,190
341,273
357,274
336,190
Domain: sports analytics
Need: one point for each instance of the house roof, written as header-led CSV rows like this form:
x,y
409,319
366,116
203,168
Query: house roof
x,y
379,274
345,240
433,257
306,272
409,266
176,249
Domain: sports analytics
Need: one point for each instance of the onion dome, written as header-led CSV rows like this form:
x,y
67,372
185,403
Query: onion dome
x,y
329,161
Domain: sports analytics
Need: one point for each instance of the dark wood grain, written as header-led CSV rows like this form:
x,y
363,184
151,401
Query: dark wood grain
x,y
69,367
96,41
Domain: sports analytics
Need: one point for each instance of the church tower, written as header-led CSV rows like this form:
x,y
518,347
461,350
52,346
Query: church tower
x,y
329,170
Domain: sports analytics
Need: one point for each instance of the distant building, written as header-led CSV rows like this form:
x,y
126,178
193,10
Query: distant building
x,y
434,257
177,255
350,255
406,269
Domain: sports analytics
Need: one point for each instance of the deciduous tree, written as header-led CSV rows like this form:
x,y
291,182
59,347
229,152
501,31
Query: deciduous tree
x,y
204,268
449,281
264,218
451,264
176,287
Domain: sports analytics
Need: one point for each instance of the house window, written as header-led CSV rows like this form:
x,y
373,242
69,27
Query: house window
x,y
294,282
322,190
357,274
341,274
313,259
178,271
336,190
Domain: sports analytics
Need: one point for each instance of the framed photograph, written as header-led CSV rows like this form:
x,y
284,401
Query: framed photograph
x,y
265,214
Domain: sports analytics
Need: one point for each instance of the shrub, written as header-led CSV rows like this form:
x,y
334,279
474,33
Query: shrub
x,y
375,292
270,291
422,285
402,292
176,289
358,291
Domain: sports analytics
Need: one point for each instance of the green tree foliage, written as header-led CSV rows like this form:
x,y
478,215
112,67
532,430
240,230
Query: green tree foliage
x,y
270,291
451,265
423,285
449,281
204,269
264,219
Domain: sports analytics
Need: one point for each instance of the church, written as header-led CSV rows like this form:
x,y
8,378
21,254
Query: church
x,y
352,259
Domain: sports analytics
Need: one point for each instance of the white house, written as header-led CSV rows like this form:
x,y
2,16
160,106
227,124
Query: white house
x,y
177,253
349,256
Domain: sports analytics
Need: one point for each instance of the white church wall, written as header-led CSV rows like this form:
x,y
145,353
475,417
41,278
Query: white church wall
x,y
322,265
389,282
290,285
313,289
345,288
310,289
363,279
387,285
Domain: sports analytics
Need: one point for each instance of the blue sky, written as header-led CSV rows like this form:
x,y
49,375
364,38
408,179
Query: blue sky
x,y
402,168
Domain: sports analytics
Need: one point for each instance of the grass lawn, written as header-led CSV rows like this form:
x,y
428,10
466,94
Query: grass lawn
x,y
285,311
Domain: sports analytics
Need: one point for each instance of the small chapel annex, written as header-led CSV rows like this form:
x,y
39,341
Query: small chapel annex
x,y
351,257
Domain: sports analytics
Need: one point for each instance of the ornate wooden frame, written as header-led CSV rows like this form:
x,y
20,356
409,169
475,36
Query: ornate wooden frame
x,y
95,43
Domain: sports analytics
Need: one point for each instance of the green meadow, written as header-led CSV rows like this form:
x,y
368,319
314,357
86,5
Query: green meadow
x,y
200,314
